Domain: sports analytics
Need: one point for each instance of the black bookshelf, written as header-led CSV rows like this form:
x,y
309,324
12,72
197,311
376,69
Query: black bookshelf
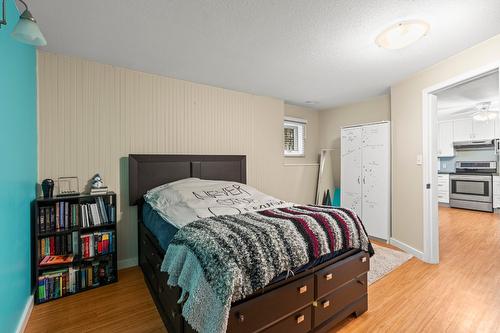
x,y
87,270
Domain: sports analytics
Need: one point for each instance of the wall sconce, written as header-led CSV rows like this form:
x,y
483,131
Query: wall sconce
x,y
26,30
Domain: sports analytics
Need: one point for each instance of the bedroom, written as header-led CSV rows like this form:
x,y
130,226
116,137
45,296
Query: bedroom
x,y
222,78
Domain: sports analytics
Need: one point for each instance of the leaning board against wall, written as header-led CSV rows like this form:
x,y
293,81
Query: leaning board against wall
x,y
365,175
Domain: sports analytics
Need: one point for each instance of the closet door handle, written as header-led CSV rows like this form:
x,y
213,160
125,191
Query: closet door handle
x,y
364,180
358,180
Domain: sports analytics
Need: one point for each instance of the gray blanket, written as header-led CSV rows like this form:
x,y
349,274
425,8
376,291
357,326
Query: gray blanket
x,y
220,260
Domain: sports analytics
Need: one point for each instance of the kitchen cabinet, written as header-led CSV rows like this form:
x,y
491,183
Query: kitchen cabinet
x,y
483,130
462,129
443,188
445,139
365,175
469,129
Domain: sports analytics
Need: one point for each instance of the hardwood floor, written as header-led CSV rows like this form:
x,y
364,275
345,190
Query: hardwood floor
x,y
125,306
461,294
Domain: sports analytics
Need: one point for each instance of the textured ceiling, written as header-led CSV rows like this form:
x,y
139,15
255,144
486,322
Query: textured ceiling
x,y
461,100
318,50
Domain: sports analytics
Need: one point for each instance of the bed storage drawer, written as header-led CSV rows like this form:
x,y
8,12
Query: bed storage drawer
x,y
168,298
329,305
333,276
299,322
260,312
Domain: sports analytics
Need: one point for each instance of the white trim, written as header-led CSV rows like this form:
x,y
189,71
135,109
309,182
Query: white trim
x,y
23,321
300,164
407,248
296,120
368,124
430,218
126,263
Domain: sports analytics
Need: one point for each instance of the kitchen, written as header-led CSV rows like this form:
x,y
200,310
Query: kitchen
x,y
468,146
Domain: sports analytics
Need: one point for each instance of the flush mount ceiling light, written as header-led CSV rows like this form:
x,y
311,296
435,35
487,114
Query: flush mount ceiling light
x,y
402,34
26,30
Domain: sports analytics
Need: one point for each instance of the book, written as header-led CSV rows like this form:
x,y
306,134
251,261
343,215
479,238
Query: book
x,y
52,219
41,219
102,210
56,260
66,215
98,191
74,243
58,212
47,226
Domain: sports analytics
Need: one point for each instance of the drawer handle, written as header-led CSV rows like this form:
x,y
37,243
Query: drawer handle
x,y
361,282
241,317
363,259
300,319
326,304
302,289
329,276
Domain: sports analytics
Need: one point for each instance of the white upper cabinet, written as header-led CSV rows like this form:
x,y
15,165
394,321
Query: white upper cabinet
x,y
483,130
470,129
462,130
445,139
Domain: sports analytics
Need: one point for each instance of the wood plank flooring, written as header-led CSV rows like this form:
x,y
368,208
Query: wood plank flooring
x,y
461,294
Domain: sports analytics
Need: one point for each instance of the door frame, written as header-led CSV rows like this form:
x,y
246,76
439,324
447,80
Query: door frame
x,y
429,159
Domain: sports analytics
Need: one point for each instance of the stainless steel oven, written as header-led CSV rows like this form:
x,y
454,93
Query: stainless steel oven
x,y
472,185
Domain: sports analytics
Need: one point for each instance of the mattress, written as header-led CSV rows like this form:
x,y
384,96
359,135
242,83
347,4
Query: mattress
x,y
165,232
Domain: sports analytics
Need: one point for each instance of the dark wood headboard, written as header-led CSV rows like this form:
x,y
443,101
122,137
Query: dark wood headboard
x,y
149,171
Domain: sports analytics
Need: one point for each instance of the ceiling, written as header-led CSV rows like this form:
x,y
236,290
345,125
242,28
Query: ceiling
x,y
460,100
321,50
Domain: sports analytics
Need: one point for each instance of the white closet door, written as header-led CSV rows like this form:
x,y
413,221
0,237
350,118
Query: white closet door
x,y
350,180
375,179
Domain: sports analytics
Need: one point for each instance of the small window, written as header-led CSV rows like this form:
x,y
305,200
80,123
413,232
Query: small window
x,y
294,131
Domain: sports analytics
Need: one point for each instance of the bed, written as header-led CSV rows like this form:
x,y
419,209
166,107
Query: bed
x,y
313,299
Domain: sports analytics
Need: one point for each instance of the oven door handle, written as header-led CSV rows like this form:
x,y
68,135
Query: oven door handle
x,y
472,178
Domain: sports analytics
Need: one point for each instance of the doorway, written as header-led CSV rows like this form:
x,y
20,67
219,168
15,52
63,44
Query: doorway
x,y
467,107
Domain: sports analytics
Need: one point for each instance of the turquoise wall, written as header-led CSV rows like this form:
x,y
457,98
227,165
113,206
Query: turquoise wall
x,y
18,170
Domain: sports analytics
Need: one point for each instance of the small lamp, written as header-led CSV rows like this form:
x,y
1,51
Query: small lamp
x,y
26,30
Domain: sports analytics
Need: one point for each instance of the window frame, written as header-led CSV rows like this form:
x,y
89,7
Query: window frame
x,y
299,125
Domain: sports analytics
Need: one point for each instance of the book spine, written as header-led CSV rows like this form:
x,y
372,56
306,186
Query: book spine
x,y
41,219
74,242
58,211
47,219
61,215
66,215
52,219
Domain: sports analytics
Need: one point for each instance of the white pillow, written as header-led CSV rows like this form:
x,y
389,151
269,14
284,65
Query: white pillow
x,y
190,199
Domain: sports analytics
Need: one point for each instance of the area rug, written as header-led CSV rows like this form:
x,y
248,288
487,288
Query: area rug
x,y
384,261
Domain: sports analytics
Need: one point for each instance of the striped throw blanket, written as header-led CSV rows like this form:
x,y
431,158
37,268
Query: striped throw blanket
x,y
223,259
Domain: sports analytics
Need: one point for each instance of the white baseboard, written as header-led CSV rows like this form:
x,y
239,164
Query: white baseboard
x,y
23,321
126,263
407,248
